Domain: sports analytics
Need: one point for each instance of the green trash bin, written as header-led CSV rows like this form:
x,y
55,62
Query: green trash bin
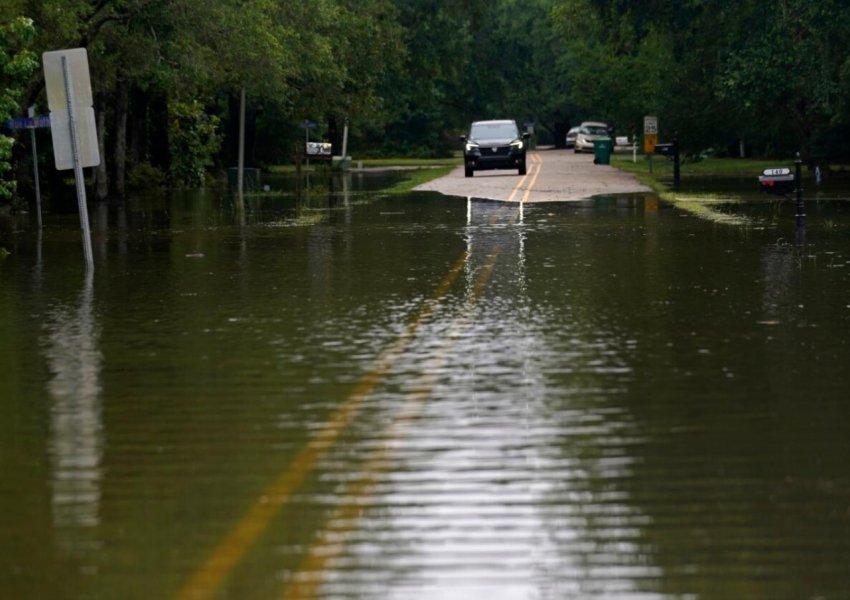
x,y
602,149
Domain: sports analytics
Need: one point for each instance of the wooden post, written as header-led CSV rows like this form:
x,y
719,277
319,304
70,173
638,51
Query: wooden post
x,y
240,175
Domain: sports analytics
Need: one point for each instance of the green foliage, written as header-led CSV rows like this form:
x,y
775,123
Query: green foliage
x,y
17,63
409,75
144,176
193,139
772,73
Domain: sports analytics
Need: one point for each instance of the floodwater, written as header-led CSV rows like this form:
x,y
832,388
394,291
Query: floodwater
x,y
361,395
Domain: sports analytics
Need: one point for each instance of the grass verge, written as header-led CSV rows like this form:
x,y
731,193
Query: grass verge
x,y
418,177
708,168
704,206
379,163
412,163
416,171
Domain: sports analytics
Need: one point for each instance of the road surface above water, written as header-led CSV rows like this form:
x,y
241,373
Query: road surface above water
x,y
553,176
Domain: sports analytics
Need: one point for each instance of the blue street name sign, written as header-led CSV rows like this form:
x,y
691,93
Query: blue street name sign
x,y
28,122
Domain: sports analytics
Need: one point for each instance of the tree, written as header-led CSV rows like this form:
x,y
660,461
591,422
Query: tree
x,y
430,93
789,72
17,63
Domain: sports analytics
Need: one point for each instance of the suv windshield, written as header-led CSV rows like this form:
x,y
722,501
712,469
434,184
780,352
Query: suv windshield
x,y
493,131
592,130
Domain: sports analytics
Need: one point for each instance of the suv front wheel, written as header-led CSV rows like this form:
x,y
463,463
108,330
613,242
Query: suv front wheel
x,y
467,170
522,170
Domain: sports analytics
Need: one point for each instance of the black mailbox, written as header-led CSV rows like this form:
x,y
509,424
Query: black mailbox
x,y
777,181
665,149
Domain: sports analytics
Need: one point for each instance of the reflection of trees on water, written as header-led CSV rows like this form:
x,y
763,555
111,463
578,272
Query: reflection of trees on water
x,y
76,421
779,269
729,428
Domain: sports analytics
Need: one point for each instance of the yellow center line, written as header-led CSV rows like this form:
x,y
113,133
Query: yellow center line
x,y
531,185
520,184
307,579
206,580
537,164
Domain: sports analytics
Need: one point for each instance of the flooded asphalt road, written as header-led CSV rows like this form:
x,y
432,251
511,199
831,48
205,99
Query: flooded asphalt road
x,y
368,396
552,176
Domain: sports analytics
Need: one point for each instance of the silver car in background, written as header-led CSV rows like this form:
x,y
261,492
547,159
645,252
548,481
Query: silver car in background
x,y
588,132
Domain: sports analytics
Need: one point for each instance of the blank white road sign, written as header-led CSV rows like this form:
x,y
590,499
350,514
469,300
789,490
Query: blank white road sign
x,y
57,99
60,129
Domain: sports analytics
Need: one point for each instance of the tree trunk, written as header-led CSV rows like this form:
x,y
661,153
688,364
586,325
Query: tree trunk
x,y
136,132
333,136
101,190
157,133
120,150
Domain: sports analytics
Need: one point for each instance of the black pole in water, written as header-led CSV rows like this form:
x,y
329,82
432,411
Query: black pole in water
x,y
676,177
798,182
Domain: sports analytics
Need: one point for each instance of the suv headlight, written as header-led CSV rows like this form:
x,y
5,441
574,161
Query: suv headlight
x,y
517,145
470,146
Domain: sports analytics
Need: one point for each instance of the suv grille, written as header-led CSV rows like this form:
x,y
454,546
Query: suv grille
x,y
495,151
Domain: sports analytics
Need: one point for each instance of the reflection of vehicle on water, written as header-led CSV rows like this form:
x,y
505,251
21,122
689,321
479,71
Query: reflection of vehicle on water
x,y
494,232
494,145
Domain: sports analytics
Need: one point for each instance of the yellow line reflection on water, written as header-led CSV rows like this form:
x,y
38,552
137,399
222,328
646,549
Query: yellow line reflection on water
x,y
307,579
207,579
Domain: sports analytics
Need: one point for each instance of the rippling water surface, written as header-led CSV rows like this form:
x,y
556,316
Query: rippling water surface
x,y
366,396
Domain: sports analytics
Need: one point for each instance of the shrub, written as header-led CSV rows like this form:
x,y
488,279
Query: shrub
x,y
192,140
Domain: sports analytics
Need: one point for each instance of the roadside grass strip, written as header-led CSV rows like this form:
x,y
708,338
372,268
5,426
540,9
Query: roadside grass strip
x,y
707,209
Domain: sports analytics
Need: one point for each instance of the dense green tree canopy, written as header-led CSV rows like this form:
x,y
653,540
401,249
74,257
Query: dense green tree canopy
x,y
16,66
408,75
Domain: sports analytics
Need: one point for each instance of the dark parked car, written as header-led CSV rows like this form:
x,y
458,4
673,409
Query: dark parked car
x,y
494,145
571,137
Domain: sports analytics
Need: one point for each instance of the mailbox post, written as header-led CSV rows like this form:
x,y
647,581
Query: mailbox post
x,y
671,151
676,160
798,181
781,182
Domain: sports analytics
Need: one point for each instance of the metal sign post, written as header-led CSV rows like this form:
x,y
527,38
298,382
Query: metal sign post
x,y
66,77
308,125
32,122
31,114
650,137
78,169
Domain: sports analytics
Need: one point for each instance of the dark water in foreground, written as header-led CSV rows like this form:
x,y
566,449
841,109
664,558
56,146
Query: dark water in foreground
x,y
420,397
